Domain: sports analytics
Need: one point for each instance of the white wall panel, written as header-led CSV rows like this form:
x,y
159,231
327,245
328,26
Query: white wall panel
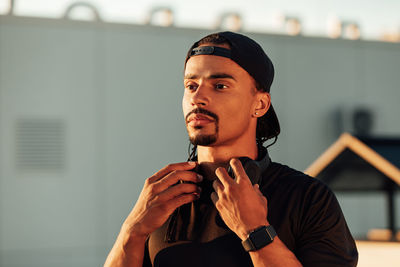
x,y
48,73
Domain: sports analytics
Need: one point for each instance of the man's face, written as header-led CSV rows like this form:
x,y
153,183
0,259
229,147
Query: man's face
x,y
218,102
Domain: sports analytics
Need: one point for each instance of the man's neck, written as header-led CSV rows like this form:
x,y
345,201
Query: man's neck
x,y
210,158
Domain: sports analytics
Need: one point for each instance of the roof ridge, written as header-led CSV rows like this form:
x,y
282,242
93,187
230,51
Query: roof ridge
x,y
346,140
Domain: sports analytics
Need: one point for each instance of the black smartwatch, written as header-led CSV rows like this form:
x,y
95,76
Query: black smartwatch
x,y
259,238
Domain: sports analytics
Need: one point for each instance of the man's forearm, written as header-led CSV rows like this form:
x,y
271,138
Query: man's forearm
x,y
128,250
275,254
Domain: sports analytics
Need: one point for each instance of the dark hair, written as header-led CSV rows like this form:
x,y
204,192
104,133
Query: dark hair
x,y
264,130
214,38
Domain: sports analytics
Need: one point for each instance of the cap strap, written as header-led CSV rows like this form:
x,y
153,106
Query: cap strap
x,y
210,50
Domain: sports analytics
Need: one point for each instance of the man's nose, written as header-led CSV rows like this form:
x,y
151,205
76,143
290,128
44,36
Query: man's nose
x,y
200,97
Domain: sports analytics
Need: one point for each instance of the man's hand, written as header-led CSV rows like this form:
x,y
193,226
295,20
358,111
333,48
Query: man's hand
x,y
240,204
161,195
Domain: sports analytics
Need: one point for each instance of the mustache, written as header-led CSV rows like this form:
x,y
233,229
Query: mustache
x,y
202,111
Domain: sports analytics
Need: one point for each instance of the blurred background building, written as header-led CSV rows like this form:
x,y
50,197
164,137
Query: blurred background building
x,y
90,106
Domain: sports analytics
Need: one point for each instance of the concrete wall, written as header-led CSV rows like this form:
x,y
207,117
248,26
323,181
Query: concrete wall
x,y
117,89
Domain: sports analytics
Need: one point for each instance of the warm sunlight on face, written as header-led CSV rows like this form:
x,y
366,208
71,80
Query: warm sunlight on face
x,y
223,97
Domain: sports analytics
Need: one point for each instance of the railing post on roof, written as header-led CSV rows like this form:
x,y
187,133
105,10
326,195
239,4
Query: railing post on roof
x,y
230,21
293,26
166,15
351,30
92,7
391,207
11,7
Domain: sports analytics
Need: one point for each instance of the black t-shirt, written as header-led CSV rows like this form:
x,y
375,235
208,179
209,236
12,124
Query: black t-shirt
x,y
304,212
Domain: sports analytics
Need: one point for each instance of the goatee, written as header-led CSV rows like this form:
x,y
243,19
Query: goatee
x,y
203,140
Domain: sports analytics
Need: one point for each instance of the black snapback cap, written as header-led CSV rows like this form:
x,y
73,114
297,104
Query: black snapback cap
x,y
249,55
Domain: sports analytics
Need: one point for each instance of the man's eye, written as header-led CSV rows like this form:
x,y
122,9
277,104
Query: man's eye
x,y
191,87
220,86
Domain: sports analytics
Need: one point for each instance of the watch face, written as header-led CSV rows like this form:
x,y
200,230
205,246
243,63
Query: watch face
x,y
261,238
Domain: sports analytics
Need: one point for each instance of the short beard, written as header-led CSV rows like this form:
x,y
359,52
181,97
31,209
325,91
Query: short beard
x,y
204,140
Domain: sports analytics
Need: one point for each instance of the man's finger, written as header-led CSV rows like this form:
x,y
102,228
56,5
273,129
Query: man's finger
x,y
218,187
224,177
176,176
214,197
177,190
257,188
182,166
237,167
181,200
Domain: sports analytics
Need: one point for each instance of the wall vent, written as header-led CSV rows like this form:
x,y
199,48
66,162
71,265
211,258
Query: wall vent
x,y
40,144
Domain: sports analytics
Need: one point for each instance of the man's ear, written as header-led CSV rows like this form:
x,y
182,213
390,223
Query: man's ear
x,y
263,102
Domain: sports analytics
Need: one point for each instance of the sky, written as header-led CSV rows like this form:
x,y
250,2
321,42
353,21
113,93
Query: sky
x,y
373,16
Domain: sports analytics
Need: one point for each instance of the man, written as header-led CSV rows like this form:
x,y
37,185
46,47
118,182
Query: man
x,y
260,213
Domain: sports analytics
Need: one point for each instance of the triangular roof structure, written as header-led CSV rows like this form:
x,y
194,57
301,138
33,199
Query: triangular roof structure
x,y
353,165
347,141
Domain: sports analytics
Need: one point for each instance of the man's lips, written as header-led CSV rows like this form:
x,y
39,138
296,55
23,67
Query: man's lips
x,y
199,119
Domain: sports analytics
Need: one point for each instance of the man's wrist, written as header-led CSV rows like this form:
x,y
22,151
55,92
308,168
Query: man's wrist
x,y
259,238
130,235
